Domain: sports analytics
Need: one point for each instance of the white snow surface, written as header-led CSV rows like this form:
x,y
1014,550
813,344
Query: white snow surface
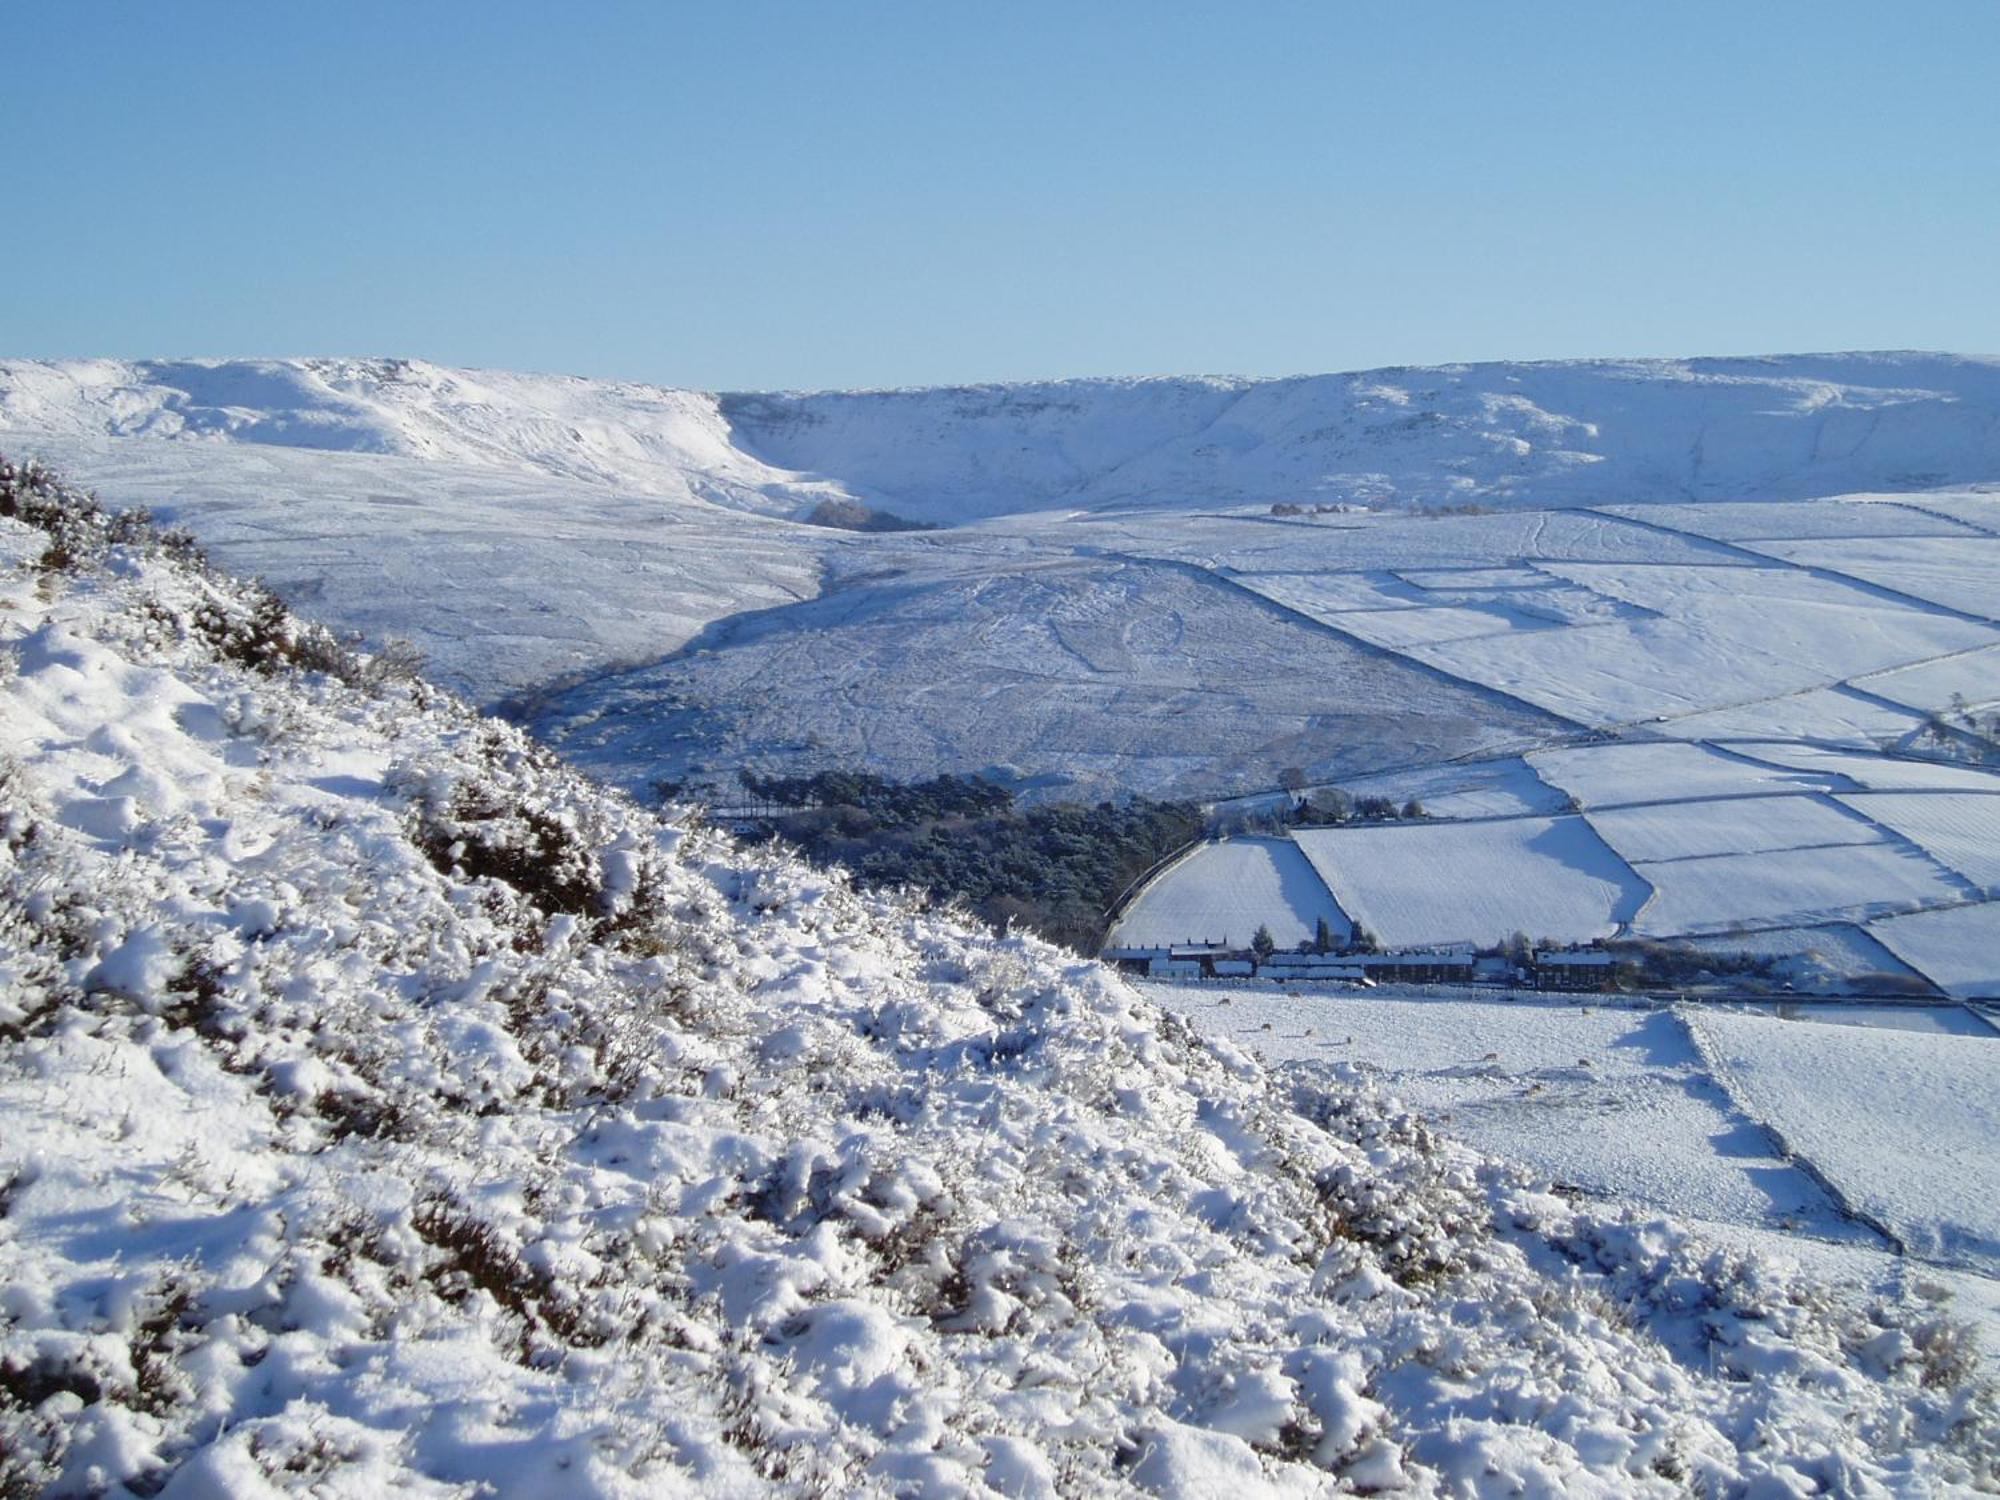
x,y
1563,432
1225,891
1416,884
384,1108
1958,949
1786,887
1901,1122
1961,830
506,579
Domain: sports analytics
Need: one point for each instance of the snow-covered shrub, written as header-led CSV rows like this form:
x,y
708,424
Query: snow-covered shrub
x,y
384,1108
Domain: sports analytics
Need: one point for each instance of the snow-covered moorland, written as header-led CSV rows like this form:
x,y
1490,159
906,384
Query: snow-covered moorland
x,y
385,1106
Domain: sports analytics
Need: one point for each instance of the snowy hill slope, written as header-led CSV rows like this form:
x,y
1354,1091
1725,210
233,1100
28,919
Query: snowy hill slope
x,y
506,578
1493,434
638,438
386,1107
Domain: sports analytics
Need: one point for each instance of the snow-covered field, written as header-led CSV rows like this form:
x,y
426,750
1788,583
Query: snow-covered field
x,y
1961,830
1840,769
1953,571
1710,638
1838,952
1415,884
1624,1102
1957,949
1225,891
1971,678
1611,1099
1730,825
1615,775
1784,887
387,1109
1902,1123
1465,789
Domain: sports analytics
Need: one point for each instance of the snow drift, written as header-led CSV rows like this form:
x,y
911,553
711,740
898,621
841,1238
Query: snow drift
x,y
385,1107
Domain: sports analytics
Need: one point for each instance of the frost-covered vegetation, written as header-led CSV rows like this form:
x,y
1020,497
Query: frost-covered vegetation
x,y
385,1108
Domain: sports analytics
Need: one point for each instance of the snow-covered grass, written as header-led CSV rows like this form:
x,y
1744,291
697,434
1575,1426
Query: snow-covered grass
x,y
1418,883
1957,949
1969,677
1717,637
528,532
505,579
384,1108
1850,770
1834,714
1901,1122
1792,886
1098,674
1763,520
1955,571
1227,891
1732,825
1648,771
1960,829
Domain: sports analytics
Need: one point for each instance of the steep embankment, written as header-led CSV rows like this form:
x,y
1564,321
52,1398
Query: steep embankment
x,y
384,1107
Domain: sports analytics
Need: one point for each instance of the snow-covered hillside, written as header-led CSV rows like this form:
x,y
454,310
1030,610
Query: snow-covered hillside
x,y
385,1108
1494,434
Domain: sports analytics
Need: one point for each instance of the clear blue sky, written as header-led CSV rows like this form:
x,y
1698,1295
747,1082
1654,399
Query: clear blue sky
x,y
753,194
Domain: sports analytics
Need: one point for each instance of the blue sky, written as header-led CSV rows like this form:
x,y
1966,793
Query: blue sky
x,y
753,194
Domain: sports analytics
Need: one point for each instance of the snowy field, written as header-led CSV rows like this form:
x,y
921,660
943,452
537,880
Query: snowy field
x,y
1840,769
1786,887
1772,520
1623,1103
1961,830
1112,607
1711,638
1958,949
1902,1123
1730,825
1659,771
1610,1099
1099,674
1416,884
1953,571
1969,677
1226,891
1465,789
1839,714
1836,951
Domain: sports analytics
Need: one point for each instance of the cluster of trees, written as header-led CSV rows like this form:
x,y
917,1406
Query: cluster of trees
x,y
862,802
1055,868
1962,732
1322,941
1319,809
1290,508
1336,806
